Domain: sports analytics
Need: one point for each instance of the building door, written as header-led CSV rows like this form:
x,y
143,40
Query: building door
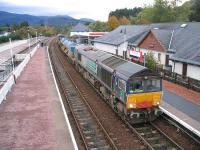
x,y
125,54
167,60
184,73
117,51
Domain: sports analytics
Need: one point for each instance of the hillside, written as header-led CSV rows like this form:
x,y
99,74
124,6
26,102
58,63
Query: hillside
x,y
10,18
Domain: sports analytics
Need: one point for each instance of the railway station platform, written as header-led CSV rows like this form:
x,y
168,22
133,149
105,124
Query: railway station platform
x,y
32,116
183,105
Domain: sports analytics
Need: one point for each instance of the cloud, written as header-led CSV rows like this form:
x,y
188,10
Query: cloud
x,y
94,9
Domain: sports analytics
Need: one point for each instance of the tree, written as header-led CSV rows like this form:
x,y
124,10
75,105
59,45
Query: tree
x,y
183,12
162,11
119,13
98,26
124,21
112,23
195,11
150,60
24,24
15,26
145,17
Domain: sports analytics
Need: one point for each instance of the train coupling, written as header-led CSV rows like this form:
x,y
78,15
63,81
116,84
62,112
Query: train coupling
x,y
134,115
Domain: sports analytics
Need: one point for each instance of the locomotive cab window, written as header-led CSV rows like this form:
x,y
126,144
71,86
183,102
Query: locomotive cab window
x,y
152,85
136,86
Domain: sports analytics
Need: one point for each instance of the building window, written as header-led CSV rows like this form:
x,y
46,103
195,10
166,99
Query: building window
x,y
159,57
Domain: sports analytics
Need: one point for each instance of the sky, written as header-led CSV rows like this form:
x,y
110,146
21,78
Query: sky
x,y
94,9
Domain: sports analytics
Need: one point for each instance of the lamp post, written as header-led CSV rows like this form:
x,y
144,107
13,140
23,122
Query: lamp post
x,y
36,36
11,53
29,41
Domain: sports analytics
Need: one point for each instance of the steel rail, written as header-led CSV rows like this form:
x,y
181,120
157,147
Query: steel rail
x,y
109,139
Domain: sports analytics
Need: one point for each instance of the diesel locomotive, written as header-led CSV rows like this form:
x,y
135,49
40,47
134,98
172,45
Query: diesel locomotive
x,y
133,90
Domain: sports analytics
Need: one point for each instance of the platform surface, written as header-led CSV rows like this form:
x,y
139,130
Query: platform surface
x,y
31,117
183,103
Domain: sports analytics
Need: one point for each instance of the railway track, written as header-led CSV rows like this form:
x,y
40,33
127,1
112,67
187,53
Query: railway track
x,y
154,138
92,132
149,134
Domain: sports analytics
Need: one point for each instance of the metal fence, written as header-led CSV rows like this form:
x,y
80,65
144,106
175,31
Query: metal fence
x,y
188,82
15,74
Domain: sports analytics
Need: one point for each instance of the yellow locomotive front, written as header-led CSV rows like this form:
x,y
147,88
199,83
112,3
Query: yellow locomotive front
x,y
144,95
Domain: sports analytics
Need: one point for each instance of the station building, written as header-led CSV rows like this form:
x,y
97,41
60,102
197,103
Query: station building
x,y
82,34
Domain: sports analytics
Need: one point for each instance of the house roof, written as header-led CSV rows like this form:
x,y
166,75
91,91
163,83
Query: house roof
x,y
163,37
186,43
80,28
121,34
133,33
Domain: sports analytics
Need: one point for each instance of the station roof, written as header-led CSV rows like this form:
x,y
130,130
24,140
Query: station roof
x,y
80,28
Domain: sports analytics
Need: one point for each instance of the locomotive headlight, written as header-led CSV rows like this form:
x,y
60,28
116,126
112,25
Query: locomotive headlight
x,y
132,105
156,102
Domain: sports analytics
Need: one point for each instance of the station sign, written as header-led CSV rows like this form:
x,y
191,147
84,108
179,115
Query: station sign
x,y
136,55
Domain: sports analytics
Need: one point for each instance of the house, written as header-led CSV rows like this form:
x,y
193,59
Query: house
x,y
156,41
175,46
186,47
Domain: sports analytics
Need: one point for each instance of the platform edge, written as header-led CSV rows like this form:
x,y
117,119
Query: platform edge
x,y
63,108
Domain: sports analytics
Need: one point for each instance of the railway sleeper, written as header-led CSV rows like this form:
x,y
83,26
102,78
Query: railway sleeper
x,y
106,147
149,133
156,138
139,129
162,145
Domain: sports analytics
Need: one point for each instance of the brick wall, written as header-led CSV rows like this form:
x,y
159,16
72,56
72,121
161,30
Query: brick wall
x,y
151,43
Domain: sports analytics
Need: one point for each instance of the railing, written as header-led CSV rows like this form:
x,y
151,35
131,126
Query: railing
x,y
15,74
179,79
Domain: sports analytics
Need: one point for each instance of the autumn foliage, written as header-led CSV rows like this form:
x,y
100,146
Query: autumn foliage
x,y
112,23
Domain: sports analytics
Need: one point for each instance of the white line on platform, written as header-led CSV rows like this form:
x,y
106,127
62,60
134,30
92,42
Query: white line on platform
x,y
63,108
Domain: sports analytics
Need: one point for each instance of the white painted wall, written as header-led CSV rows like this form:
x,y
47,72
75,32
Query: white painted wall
x,y
178,68
106,47
121,48
112,48
193,71
155,53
